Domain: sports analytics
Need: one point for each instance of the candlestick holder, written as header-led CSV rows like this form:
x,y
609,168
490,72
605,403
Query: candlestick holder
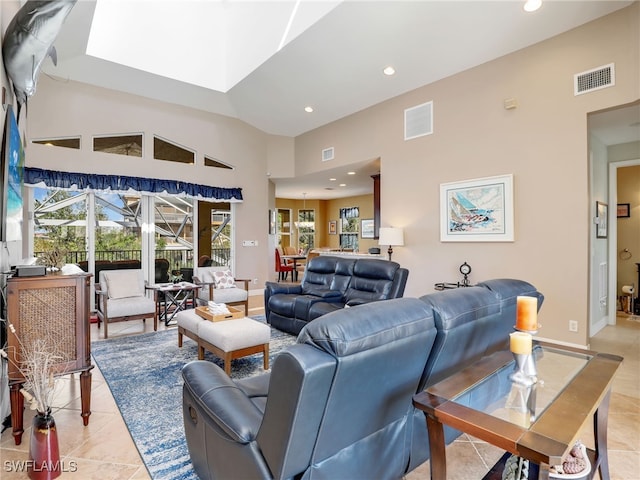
x,y
521,404
530,363
521,373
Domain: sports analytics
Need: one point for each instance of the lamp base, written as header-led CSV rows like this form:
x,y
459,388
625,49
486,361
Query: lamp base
x,y
390,252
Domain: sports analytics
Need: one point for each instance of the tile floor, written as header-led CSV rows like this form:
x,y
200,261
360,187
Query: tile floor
x,y
104,450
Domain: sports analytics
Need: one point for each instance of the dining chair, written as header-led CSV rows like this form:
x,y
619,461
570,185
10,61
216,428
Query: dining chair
x,y
282,269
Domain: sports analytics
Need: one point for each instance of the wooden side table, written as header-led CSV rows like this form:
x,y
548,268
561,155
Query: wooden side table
x,y
576,385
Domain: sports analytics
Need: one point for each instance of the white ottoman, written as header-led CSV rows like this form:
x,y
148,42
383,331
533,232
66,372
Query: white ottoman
x,y
228,339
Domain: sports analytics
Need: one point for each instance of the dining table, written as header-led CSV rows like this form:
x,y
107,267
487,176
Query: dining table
x,y
294,259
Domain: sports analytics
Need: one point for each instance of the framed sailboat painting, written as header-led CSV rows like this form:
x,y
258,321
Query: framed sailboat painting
x,y
478,210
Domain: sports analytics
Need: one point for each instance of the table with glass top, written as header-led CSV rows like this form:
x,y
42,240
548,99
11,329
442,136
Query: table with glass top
x,y
540,423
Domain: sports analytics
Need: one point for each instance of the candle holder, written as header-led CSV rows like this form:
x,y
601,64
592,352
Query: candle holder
x,y
521,404
521,374
529,367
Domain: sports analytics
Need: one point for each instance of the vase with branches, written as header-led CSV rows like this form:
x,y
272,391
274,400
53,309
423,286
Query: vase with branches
x,y
37,361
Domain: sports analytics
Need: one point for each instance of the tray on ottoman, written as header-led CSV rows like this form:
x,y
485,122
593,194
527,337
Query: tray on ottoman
x,y
206,314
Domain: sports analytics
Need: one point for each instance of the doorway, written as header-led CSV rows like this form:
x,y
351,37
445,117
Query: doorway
x,y
614,143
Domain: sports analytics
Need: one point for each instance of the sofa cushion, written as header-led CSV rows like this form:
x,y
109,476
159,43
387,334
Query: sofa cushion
x,y
128,306
463,317
124,283
368,326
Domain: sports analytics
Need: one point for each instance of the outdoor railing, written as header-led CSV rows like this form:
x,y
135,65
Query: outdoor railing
x,y
177,258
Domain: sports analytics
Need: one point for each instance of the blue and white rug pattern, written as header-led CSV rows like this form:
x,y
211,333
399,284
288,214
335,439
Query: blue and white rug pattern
x,y
143,373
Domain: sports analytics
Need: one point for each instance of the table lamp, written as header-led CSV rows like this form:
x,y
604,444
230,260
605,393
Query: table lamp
x,y
393,237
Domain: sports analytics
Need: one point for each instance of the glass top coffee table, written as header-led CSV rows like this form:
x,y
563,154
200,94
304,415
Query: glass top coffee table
x,y
540,423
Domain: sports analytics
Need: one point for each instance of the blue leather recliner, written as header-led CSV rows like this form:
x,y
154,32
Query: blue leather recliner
x,y
335,401
331,283
338,404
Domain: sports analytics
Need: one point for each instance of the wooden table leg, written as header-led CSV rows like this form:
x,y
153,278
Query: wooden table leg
x,y
600,419
17,409
85,395
438,457
543,471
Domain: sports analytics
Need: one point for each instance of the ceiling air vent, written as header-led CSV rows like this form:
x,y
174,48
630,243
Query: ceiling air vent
x,y
327,154
601,77
418,121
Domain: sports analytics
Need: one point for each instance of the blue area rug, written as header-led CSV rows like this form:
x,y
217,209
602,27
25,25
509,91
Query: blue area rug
x,y
143,373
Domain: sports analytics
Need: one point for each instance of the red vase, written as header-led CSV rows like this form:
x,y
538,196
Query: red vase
x,y
44,453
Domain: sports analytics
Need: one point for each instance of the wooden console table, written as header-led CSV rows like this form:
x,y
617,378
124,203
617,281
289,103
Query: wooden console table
x,y
54,306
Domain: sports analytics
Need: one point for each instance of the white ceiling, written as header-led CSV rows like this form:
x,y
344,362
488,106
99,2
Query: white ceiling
x,y
224,56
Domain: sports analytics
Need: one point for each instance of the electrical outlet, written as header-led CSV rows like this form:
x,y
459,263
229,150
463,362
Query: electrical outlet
x,y
255,281
573,325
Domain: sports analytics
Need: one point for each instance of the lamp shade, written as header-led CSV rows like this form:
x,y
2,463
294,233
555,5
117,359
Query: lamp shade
x,y
391,236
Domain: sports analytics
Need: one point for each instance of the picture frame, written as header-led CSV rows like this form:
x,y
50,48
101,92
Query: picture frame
x,y
477,210
602,210
333,227
367,228
624,210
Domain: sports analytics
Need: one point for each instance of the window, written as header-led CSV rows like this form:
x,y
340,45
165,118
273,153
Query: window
x,y
212,162
306,229
71,142
130,145
349,227
165,150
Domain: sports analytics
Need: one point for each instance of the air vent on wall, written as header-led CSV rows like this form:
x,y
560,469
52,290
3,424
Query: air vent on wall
x,y
327,154
418,121
601,77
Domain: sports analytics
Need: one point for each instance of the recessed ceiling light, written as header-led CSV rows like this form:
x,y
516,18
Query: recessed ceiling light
x,y
351,173
332,179
389,70
308,109
343,184
532,5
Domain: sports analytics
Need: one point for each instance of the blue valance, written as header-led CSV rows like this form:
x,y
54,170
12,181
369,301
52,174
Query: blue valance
x,y
123,184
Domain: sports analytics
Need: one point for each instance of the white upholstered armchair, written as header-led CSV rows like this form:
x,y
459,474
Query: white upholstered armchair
x,y
122,296
219,285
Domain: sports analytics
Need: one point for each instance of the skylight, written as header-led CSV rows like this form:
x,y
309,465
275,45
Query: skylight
x,y
213,44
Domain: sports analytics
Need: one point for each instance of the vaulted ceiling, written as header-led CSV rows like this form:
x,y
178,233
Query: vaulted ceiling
x,y
264,61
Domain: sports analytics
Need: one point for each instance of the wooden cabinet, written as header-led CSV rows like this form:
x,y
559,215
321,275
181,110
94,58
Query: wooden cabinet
x,y
55,307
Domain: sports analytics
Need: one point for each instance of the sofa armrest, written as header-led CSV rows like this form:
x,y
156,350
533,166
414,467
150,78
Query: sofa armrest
x,y
324,293
274,288
225,404
245,281
354,302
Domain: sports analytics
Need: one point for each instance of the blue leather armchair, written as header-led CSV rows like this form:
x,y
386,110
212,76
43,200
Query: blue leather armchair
x,y
336,405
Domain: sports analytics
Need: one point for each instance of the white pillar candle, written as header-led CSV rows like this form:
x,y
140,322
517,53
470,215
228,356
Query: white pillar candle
x,y
521,342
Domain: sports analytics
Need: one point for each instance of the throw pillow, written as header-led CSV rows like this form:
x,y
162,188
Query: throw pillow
x,y
224,279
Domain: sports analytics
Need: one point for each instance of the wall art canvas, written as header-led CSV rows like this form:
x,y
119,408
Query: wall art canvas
x,y
478,210
13,179
367,227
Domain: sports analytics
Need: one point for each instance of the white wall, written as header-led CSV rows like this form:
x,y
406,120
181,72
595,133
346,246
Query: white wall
x,y
543,143
61,109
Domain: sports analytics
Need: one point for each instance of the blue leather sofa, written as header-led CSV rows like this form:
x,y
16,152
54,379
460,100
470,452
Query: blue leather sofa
x,y
329,284
338,403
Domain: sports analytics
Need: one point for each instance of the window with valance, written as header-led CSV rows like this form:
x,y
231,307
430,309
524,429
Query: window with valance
x,y
121,183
